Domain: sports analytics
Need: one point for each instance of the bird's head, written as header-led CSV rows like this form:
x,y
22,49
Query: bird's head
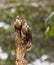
x,y
17,17
17,23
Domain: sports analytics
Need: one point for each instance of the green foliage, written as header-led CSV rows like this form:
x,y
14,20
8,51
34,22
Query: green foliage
x,y
42,42
50,23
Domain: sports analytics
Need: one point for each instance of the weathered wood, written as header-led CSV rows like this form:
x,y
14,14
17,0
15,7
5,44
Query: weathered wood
x,y
21,49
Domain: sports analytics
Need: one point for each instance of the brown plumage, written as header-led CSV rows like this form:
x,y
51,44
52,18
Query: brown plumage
x,y
17,17
27,35
24,29
17,23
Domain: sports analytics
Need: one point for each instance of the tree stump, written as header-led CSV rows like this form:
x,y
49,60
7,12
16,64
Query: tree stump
x,y
21,49
22,46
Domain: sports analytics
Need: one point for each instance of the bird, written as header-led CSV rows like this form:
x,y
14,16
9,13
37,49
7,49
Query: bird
x,y
26,32
18,24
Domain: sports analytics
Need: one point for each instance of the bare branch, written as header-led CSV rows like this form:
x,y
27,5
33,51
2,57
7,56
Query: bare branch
x,y
12,5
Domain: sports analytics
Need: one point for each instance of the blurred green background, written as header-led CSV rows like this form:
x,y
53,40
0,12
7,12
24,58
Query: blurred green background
x,y
40,15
